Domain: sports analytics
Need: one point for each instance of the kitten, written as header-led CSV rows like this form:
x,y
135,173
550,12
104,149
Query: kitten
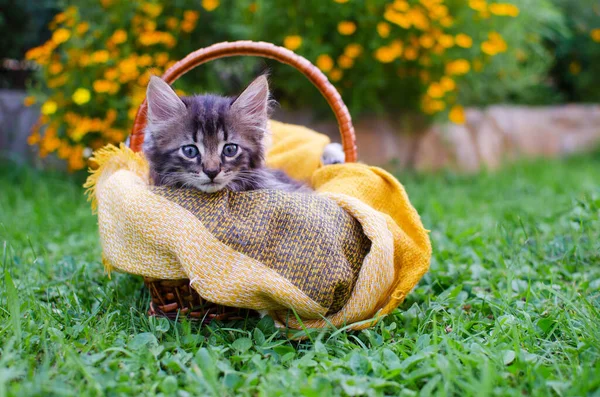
x,y
210,142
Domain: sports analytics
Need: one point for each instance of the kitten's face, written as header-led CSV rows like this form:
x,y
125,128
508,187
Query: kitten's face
x,y
206,142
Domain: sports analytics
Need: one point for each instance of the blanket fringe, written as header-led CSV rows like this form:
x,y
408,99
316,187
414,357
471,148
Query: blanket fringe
x,y
108,160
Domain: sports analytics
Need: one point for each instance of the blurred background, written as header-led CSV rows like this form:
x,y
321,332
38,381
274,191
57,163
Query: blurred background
x,y
462,84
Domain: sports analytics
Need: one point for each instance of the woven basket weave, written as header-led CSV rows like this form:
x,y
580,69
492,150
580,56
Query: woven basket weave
x,y
175,298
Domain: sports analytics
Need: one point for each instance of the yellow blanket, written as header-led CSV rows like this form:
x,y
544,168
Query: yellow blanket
x,y
150,234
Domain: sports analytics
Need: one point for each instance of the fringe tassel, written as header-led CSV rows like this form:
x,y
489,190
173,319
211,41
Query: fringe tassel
x,y
110,159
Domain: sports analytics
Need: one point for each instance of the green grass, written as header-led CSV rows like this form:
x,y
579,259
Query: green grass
x,y
511,305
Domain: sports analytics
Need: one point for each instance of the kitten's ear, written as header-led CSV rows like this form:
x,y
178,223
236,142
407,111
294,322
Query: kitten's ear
x,y
163,102
253,104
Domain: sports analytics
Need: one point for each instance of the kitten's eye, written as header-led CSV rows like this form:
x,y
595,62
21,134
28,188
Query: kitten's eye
x,y
230,150
189,151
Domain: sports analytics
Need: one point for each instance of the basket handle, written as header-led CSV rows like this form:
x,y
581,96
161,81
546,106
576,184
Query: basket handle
x,y
266,50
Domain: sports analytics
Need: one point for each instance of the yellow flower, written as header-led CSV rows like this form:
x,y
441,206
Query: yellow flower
x,y
447,21
446,41
575,68
384,55
477,65
383,29
29,100
100,56
55,68
503,9
81,96
324,62
447,83
49,107
345,62
463,40
336,75
397,18
341,1
458,67
191,15
426,41
353,50
401,5
435,90
152,10
161,58
595,34
144,60
210,5
60,36
119,36
346,28
457,115
494,45
292,42
478,5
82,28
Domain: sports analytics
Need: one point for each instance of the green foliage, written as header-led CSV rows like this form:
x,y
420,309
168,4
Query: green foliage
x,y
578,53
510,306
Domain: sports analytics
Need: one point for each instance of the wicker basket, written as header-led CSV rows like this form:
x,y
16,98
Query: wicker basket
x,y
175,298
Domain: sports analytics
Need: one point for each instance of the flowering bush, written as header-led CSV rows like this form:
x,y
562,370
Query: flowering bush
x,y
427,55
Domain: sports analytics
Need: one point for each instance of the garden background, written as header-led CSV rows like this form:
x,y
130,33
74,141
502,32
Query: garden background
x,y
511,304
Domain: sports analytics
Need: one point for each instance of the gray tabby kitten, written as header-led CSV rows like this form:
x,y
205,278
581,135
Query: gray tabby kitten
x,y
210,142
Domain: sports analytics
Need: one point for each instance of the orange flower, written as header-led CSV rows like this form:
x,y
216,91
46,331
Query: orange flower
x,y
152,10
172,23
435,90
60,36
595,34
345,62
458,67
29,100
188,26
100,56
82,28
463,40
191,15
383,29
346,28
446,41
119,36
210,5
503,9
324,62
447,83
457,115
292,42
426,41
353,50
335,74
411,54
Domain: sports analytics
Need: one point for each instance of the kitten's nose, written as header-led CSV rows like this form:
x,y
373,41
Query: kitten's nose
x,y
211,173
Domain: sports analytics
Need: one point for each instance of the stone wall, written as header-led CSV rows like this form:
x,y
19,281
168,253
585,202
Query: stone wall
x,y
489,138
16,121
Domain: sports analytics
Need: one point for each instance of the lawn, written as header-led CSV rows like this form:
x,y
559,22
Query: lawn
x,y
511,305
